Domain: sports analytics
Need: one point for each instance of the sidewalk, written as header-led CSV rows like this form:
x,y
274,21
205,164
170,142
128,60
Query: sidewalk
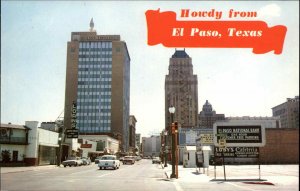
x,y
187,174
238,173
4,170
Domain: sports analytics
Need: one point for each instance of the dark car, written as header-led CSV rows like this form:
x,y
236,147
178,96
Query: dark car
x,y
156,160
97,160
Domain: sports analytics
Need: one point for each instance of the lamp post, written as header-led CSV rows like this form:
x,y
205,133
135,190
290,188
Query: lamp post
x,y
172,111
59,151
165,136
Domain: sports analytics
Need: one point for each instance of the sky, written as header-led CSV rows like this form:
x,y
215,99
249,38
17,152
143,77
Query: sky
x,y
237,82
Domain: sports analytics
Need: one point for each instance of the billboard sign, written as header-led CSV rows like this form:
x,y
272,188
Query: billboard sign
x,y
73,115
72,133
243,135
206,139
237,152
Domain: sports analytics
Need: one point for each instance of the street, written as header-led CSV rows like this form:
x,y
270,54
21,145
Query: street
x,y
145,176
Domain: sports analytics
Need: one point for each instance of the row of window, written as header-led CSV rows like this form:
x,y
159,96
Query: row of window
x,y
95,64
101,44
94,130
92,59
94,86
94,94
95,79
91,105
92,68
94,56
94,97
92,115
95,76
83,89
97,117
94,72
82,120
104,83
95,49
89,123
104,98
94,52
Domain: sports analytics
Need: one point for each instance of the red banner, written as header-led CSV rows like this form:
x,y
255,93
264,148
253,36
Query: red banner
x,y
165,29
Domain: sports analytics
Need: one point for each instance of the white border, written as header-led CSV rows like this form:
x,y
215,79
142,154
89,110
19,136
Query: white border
x,y
241,124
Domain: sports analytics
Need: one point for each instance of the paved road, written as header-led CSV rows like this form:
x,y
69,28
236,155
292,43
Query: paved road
x,y
145,176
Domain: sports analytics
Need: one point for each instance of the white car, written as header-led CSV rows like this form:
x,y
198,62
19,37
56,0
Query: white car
x,y
72,161
108,161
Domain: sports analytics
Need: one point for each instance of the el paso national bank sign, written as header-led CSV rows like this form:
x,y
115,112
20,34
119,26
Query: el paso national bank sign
x,y
239,135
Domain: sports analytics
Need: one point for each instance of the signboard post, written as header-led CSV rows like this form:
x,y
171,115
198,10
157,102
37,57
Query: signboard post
x,y
238,140
73,132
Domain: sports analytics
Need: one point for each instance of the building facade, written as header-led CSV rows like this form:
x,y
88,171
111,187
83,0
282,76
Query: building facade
x,y
29,144
132,122
181,91
288,113
151,146
208,116
138,142
98,85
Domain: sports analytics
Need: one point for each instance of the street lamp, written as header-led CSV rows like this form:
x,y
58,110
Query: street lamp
x,y
172,111
59,152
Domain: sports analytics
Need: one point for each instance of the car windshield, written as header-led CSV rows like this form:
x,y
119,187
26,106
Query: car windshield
x,y
108,158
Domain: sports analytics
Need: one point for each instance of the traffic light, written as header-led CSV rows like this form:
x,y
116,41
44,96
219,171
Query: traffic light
x,y
176,126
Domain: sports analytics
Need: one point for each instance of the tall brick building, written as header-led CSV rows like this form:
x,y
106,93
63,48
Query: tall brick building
x,y
181,90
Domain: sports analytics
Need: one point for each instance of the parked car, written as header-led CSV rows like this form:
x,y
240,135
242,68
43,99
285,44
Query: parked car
x,y
128,160
97,160
72,161
156,160
109,161
86,161
121,158
138,158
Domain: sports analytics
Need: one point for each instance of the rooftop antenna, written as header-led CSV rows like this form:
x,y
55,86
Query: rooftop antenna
x,y
91,25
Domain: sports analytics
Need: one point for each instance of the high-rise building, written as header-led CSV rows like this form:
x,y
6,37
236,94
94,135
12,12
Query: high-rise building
x,y
97,85
138,141
132,128
181,91
208,116
288,112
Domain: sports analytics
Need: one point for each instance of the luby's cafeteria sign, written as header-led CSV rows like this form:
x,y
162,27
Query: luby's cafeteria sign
x,y
239,135
237,152
204,28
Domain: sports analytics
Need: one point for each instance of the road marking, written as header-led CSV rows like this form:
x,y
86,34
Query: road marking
x,y
177,186
84,171
117,170
242,187
104,175
37,174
